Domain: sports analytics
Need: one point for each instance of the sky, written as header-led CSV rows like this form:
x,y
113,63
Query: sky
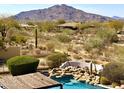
x,y
102,9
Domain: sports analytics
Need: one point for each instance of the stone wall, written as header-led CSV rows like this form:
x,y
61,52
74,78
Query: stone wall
x,y
9,52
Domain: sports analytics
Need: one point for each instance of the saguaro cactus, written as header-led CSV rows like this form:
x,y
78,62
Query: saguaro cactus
x,y
36,38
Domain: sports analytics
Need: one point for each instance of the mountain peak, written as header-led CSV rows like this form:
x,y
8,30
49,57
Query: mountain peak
x,y
56,12
64,6
117,17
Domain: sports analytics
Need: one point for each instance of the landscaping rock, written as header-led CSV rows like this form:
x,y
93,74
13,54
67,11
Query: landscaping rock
x,y
80,74
122,87
118,87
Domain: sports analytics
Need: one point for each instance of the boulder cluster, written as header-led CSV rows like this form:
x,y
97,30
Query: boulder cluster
x,y
79,74
120,87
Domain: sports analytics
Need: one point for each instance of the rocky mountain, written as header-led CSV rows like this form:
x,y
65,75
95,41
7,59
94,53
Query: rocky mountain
x,y
55,12
118,18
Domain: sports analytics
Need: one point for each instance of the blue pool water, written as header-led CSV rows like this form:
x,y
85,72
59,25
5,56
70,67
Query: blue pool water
x,y
69,83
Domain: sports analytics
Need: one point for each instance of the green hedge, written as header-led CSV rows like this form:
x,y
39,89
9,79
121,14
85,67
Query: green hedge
x,y
22,65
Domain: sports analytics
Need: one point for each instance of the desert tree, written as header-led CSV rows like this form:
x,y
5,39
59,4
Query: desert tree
x,y
117,25
46,26
96,45
5,25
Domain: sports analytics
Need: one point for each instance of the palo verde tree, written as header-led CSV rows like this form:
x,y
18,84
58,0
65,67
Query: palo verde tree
x,y
5,25
46,26
102,38
117,25
96,45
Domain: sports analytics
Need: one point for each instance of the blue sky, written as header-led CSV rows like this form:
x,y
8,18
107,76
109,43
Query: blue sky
x,y
102,9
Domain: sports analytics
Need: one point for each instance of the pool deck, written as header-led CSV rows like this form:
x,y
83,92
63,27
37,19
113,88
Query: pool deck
x,y
104,86
28,81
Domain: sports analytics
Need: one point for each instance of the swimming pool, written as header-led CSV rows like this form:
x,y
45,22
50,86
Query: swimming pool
x,y
70,83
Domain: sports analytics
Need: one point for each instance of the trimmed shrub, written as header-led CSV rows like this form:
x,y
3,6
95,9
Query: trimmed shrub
x,y
22,65
56,59
104,81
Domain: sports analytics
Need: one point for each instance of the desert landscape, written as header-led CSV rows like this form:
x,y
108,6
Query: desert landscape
x,y
62,42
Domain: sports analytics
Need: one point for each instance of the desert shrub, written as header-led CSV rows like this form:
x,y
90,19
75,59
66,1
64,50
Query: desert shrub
x,y
42,47
114,39
104,37
118,53
75,50
61,21
116,24
70,47
56,59
114,71
24,33
31,23
1,43
67,31
22,65
93,43
46,26
63,38
19,39
84,26
76,56
107,34
104,81
114,84
50,46
42,36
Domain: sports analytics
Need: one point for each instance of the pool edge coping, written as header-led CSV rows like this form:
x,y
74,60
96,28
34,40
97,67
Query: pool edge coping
x,y
104,86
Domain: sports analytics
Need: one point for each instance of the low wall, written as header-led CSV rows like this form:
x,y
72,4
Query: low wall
x,y
9,52
98,67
